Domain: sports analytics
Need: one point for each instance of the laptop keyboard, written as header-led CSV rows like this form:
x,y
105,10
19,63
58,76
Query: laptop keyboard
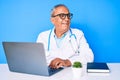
x,y
52,71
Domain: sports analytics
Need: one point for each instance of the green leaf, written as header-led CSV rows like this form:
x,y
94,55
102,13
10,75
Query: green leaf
x,y
77,64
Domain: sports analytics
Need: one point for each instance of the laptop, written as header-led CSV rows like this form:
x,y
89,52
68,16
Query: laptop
x,y
27,57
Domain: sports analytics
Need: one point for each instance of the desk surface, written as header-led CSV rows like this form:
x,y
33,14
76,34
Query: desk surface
x,y
65,74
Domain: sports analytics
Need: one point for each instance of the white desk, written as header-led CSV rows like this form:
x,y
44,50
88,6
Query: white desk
x,y
65,74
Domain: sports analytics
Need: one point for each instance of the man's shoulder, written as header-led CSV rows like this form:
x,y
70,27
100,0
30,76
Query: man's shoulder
x,y
75,30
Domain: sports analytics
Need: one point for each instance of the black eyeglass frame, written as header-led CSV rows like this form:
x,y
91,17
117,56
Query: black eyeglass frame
x,y
69,15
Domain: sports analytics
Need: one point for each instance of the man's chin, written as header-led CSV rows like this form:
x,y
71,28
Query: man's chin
x,y
65,29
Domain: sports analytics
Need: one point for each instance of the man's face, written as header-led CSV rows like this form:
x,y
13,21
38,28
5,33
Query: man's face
x,y
61,25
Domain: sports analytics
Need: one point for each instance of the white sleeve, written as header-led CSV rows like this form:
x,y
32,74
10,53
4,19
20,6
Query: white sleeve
x,y
85,53
43,38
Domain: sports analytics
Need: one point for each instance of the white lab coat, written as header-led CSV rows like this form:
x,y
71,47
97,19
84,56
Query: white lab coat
x,y
67,48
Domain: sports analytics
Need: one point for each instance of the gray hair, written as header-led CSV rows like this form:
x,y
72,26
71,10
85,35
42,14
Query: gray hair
x,y
56,6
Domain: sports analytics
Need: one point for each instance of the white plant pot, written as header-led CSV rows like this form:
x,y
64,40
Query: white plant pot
x,y
77,72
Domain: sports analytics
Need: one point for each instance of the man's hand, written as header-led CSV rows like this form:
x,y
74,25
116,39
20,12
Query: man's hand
x,y
57,63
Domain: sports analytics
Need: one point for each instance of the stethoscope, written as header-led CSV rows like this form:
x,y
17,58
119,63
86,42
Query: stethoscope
x,y
72,40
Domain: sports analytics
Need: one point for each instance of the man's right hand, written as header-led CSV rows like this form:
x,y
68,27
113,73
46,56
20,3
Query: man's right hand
x,y
57,63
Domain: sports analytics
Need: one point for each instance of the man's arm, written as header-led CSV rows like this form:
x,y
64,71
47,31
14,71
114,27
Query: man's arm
x,y
85,53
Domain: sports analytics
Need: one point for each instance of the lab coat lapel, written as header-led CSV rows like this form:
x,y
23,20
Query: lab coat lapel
x,y
52,41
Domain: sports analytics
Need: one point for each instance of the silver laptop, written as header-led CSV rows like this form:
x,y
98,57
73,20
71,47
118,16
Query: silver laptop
x,y
27,57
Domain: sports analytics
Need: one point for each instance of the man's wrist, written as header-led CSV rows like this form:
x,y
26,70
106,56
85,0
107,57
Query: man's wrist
x,y
67,63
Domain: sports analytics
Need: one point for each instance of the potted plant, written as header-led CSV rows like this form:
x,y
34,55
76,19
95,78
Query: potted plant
x,y
77,64
77,69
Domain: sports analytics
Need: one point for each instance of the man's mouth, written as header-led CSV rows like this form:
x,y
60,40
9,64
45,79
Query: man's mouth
x,y
65,23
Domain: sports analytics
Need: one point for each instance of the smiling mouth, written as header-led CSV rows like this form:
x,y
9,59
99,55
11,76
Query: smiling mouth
x,y
65,23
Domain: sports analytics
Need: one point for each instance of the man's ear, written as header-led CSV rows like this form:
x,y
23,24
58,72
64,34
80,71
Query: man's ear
x,y
52,20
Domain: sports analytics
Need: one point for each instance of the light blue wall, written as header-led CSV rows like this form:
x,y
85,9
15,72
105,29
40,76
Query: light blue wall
x,y
22,20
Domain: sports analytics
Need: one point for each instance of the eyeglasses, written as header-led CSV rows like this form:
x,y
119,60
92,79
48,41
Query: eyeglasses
x,y
63,16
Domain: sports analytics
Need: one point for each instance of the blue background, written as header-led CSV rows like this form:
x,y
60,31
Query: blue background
x,y
23,20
